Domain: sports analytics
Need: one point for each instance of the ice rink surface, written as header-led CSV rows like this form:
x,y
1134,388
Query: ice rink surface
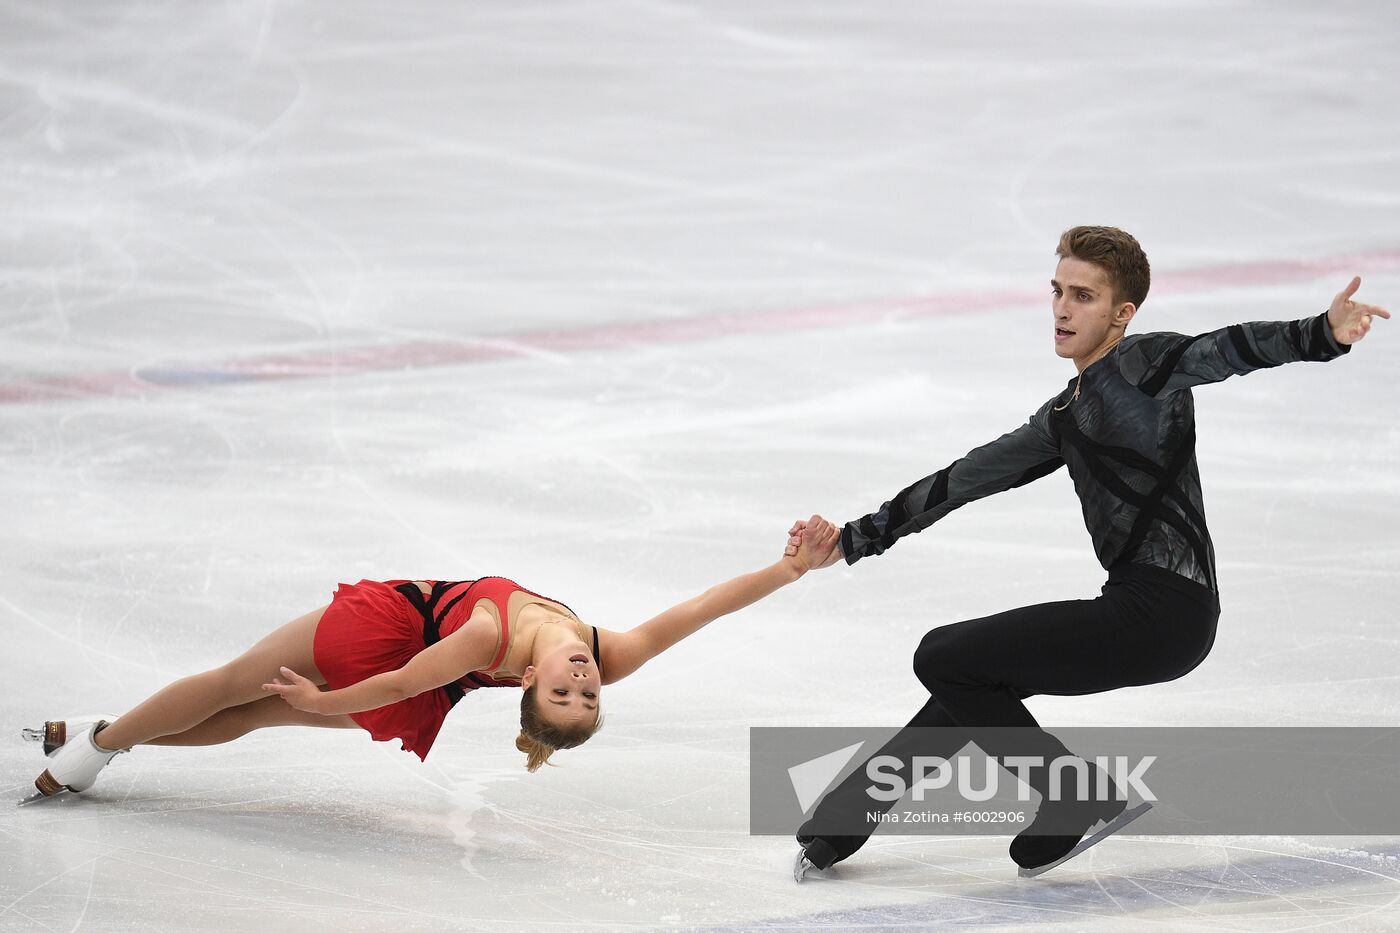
x,y
601,296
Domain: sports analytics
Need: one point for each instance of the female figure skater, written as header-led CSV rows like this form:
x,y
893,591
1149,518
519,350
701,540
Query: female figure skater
x,y
393,657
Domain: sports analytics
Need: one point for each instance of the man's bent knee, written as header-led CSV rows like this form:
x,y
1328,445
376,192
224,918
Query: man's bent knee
x,y
935,658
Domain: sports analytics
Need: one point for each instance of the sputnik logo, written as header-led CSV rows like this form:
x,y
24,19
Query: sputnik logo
x,y
811,778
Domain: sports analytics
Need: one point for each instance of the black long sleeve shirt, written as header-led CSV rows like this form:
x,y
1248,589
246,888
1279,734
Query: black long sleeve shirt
x,y
1129,439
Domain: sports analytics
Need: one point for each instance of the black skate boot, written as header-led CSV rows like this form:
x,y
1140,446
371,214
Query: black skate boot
x,y
815,853
1057,834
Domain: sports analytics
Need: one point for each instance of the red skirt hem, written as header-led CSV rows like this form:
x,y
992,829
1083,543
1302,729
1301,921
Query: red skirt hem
x,y
370,628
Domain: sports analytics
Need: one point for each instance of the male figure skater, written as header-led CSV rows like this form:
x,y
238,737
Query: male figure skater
x,y
1125,427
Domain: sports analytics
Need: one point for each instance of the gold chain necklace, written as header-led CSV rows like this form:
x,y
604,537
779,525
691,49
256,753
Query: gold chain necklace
x,y
1076,391
1081,373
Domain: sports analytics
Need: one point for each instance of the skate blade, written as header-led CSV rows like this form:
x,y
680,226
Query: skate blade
x,y
55,732
53,735
45,788
801,866
1111,827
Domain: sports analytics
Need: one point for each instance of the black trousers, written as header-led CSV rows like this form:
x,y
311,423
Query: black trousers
x,y
1147,626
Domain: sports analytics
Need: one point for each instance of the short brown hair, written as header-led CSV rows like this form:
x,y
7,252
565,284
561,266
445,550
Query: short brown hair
x,y
539,738
1116,253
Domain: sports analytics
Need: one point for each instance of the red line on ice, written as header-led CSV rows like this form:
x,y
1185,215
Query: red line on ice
x,y
449,350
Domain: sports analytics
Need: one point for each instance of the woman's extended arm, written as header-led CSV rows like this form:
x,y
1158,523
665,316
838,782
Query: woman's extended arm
x,y
465,650
627,651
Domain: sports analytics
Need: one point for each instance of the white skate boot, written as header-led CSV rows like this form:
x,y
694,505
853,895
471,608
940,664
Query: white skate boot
x,y
74,766
57,731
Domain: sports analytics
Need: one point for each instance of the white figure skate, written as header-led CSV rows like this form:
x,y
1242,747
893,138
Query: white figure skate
x,y
57,731
73,766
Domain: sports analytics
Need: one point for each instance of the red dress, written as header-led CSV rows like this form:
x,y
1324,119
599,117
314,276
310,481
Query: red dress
x,y
377,626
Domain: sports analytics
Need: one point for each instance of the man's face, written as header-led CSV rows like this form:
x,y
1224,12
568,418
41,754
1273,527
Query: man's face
x,y
1084,308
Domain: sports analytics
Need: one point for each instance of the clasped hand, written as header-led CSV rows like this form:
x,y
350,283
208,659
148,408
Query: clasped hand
x,y
815,542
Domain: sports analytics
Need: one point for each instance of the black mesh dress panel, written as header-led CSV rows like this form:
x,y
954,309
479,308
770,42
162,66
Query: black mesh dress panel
x,y
1126,428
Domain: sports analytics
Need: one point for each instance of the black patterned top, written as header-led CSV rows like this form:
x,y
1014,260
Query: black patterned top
x,y
1126,427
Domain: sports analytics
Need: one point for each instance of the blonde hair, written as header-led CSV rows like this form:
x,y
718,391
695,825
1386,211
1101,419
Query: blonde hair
x,y
539,738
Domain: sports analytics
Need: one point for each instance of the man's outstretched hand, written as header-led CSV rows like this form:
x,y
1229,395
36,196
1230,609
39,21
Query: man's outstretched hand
x,y
1351,320
816,541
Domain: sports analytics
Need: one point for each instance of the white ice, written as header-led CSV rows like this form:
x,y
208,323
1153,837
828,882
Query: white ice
x,y
855,207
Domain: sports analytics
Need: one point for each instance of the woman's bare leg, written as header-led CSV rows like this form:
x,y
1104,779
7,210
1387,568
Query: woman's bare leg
x,y
237,721
191,700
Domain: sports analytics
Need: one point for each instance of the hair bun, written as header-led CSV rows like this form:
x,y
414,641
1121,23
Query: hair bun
x,y
536,752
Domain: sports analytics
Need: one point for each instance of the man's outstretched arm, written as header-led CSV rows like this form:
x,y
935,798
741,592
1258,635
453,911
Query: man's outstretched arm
x,y
1012,460
1160,364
